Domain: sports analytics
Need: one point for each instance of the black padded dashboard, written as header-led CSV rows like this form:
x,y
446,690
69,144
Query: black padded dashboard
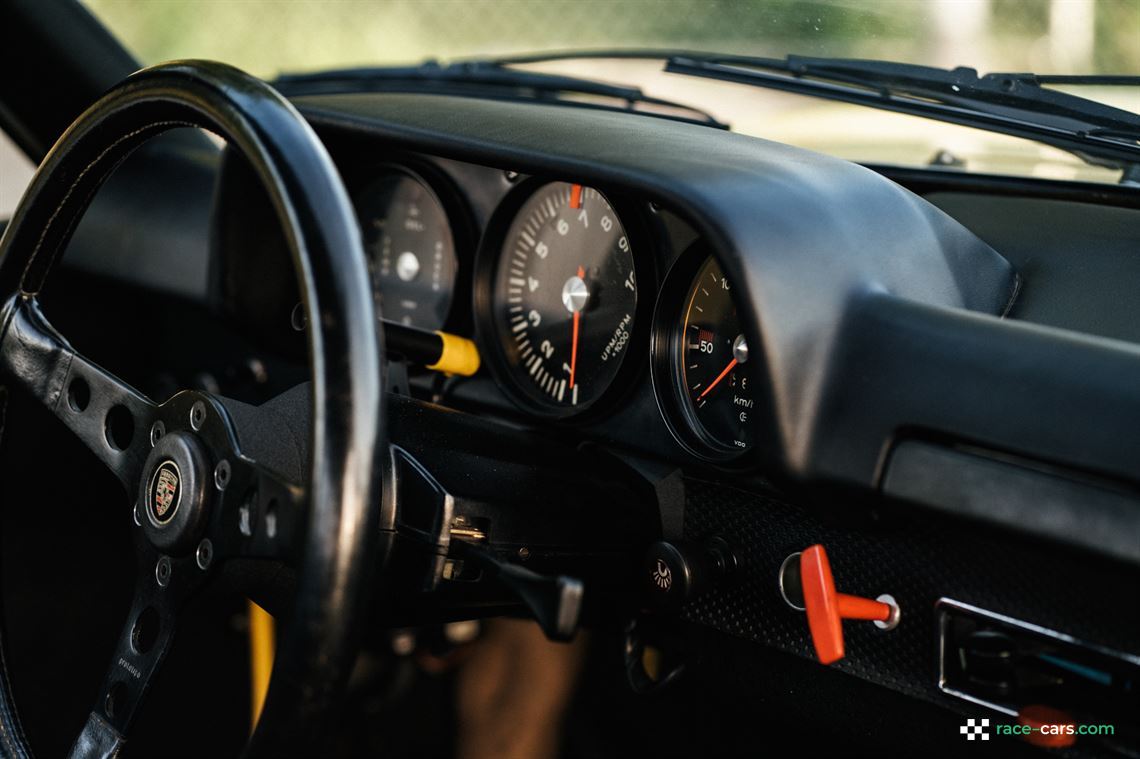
x,y
1082,259
886,325
797,231
979,336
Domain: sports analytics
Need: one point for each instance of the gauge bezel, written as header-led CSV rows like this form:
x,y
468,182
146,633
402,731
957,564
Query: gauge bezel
x,y
459,220
665,349
489,337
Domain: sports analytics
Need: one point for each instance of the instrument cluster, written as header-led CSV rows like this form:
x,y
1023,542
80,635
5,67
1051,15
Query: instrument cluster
x,y
556,298
410,239
574,292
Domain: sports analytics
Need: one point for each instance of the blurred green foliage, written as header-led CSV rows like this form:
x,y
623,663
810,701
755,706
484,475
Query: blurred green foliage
x,y
1118,36
268,36
1030,16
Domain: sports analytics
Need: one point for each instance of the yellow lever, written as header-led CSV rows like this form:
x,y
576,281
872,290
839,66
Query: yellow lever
x,y
458,356
438,351
261,649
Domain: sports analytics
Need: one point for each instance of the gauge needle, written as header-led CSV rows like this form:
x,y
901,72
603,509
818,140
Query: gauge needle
x,y
715,382
574,339
576,196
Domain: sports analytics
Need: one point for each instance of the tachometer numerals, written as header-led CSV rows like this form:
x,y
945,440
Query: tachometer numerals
x,y
565,295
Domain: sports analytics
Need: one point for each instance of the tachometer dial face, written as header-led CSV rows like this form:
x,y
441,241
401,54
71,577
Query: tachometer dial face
x,y
411,248
564,297
712,370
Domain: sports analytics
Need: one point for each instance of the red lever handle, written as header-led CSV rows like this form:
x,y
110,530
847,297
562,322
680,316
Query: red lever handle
x,y
827,609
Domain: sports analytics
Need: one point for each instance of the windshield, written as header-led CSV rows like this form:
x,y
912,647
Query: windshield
x,y
269,37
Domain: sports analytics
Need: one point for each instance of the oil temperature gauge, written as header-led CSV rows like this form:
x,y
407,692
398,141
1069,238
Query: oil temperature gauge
x,y
411,247
707,362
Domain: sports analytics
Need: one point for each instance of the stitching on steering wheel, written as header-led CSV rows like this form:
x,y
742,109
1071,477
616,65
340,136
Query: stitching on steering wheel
x,y
160,125
12,748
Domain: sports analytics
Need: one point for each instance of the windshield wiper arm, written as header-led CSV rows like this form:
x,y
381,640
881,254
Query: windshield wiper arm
x,y
960,86
490,78
1014,104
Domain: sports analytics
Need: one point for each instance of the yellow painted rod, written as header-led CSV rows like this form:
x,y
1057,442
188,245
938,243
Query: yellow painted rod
x,y
261,649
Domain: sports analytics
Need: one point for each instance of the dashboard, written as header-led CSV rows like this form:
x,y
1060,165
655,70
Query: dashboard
x,y
851,324
582,290
793,349
588,302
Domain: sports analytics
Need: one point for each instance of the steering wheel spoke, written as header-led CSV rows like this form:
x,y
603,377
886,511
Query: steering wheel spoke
x,y
110,417
262,514
162,587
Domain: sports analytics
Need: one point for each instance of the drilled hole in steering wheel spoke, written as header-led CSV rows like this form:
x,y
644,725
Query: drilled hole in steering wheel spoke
x,y
144,633
116,699
78,394
271,519
119,427
247,513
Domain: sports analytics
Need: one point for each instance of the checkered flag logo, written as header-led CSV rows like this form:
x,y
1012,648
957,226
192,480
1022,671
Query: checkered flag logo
x,y
975,729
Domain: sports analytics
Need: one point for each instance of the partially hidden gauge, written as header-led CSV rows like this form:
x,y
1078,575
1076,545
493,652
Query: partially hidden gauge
x,y
410,241
705,381
562,297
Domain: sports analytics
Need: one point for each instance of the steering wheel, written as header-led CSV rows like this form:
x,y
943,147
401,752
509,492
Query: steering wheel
x,y
200,499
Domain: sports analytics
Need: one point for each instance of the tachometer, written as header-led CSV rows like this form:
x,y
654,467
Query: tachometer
x,y
563,298
411,246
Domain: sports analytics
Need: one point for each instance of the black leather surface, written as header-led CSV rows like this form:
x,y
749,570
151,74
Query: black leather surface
x,y
98,740
33,352
12,738
157,208
342,543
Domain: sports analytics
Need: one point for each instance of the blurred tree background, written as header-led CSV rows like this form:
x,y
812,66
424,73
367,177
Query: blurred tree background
x,y
270,36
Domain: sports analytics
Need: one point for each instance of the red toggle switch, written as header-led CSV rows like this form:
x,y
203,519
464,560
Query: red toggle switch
x,y
827,609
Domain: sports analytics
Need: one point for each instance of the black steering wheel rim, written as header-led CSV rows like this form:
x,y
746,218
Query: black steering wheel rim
x,y
340,547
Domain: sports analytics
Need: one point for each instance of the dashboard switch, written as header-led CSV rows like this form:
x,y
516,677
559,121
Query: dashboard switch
x,y
675,573
807,584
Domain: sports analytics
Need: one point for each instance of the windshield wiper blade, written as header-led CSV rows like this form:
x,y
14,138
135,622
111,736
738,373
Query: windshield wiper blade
x,y
1013,104
960,86
490,78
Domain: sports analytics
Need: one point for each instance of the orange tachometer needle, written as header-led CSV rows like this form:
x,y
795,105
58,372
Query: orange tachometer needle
x,y
719,377
574,339
575,196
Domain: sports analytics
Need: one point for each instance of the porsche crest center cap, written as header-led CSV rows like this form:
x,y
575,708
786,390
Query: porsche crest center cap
x,y
173,495
164,493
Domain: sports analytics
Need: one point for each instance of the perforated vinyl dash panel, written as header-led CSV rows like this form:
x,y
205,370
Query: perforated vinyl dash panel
x,y
917,558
